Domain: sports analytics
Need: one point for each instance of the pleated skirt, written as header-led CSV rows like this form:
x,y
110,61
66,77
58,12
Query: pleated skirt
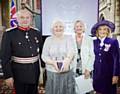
x,y
60,83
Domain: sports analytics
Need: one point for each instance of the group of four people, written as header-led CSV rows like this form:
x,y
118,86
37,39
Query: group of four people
x,y
65,57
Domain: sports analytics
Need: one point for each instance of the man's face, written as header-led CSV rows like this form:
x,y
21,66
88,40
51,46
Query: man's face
x,y
24,19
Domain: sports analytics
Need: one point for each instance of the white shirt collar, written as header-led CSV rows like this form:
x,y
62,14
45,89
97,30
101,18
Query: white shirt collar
x,y
102,41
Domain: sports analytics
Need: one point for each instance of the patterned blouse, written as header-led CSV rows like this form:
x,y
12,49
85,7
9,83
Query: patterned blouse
x,y
58,49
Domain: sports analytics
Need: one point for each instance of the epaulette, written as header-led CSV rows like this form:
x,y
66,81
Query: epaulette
x,y
10,28
34,28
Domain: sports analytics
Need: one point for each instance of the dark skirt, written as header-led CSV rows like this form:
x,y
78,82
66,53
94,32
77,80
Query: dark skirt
x,y
60,83
104,86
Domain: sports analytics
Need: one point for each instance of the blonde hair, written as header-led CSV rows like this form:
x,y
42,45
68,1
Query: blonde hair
x,y
81,22
108,33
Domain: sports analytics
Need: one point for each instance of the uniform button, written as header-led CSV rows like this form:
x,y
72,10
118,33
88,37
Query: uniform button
x,y
99,54
100,60
37,41
32,54
26,36
100,48
30,47
19,43
26,33
38,50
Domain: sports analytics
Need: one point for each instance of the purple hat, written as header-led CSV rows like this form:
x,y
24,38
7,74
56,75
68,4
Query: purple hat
x,y
100,23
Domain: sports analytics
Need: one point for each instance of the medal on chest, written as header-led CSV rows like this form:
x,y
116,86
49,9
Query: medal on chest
x,y
26,36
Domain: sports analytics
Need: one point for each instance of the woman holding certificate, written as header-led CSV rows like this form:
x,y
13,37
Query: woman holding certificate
x,y
84,50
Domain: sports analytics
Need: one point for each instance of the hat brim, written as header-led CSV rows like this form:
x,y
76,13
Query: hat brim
x,y
101,23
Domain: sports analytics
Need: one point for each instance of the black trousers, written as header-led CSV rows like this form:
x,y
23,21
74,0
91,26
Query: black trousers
x,y
26,88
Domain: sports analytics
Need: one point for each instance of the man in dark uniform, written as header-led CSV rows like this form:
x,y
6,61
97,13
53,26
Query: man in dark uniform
x,y
20,55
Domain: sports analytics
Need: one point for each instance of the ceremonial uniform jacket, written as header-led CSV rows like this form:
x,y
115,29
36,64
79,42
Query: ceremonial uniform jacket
x,y
24,44
106,65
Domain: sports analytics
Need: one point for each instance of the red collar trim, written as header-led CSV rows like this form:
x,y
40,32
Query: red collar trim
x,y
24,28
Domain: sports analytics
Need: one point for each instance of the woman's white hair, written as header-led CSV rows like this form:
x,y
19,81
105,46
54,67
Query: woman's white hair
x,y
55,21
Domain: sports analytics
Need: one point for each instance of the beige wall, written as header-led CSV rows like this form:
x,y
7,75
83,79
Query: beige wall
x,y
111,11
117,16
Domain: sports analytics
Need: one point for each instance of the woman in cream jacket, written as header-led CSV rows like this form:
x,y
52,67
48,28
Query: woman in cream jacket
x,y
84,51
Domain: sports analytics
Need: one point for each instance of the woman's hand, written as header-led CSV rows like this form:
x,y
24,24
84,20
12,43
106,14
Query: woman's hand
x,y
65,67
86,74
55,66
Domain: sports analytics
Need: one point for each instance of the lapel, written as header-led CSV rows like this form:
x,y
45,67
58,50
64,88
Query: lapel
x,y
107,40
83,42
97,42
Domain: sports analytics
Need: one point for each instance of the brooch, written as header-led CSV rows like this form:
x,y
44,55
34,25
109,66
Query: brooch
x,y
107,47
